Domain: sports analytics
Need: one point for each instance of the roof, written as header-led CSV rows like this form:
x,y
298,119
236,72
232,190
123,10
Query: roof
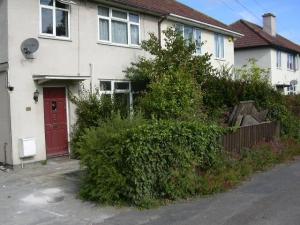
x,y
172,7
255,36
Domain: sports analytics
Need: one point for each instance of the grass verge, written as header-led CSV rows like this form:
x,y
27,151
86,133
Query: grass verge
x,y
231,169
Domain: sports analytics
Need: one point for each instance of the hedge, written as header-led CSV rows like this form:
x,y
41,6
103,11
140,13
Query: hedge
x,y
139,162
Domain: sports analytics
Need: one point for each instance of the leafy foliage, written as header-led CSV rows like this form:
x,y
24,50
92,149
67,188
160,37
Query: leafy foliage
x,y
93,109
141,162
168,79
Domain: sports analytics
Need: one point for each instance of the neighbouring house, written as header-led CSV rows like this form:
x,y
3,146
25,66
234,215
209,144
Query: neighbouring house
x,y
271,50
49,47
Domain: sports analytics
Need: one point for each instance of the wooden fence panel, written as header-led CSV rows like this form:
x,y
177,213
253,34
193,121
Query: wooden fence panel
x,y
248,136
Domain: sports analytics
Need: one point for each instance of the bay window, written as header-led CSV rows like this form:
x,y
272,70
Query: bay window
x,y
118,26
219,46
54,19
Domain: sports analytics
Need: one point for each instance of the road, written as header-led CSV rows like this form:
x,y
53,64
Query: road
x,y
269,198
47,195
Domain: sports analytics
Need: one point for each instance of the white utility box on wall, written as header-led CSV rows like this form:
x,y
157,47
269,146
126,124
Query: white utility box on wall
x,y
27,147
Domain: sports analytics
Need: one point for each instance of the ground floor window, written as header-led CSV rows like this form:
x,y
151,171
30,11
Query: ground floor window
x,y
292,90
120,93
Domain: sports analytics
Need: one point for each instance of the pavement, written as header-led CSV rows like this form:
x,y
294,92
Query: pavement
x,y
47,195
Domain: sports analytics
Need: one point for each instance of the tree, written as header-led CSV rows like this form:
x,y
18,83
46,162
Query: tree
x,y
169,78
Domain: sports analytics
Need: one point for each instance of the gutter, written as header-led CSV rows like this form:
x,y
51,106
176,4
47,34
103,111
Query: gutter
x,y
207,26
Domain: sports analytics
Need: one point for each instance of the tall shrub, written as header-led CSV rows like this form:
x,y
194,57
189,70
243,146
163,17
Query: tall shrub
x,y
169,78
140,162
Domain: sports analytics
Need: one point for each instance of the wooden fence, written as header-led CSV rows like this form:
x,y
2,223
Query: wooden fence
x,y
248,136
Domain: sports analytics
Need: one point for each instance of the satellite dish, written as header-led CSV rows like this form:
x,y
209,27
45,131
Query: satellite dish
x,y
294,82
29,46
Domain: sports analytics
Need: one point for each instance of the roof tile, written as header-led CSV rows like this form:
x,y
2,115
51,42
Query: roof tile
x,y
164,7
255,36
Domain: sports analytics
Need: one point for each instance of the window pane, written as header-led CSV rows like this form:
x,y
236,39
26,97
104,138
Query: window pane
x,y
47,2
62,23
61,5
121,86
103,11
135,36
119,14
198,41
105,86
222,46
47,21
134,18
179,28
119,32
217,46
122,104
104,29
188,33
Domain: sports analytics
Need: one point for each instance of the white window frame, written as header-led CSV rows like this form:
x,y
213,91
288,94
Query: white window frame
x,y
219,54
292,90
110,18
54,8
195,29
293,58
279,59
113,91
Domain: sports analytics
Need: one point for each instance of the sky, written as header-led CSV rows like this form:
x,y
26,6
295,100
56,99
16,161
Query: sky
x,y
229,11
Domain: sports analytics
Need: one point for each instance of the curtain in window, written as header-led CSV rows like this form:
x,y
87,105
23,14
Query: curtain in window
x,y
188,33
219,46
47,21
222,46
119,32
104,29
198,41
217,50
134,30
62,23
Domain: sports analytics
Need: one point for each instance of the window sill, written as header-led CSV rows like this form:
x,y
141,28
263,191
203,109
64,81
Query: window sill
x,y
119,45
220,59
290,70
54,38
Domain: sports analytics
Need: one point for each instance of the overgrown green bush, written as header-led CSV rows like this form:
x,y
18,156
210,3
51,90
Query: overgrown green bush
x,y
142,162
92,109
173,96
169,78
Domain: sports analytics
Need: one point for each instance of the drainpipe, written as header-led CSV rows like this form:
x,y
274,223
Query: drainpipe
x,y
161,20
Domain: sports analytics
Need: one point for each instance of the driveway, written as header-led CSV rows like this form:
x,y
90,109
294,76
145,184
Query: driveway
x,y
46,195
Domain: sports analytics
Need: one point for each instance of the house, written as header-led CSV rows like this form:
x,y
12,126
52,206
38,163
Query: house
x,y
271,50
49,47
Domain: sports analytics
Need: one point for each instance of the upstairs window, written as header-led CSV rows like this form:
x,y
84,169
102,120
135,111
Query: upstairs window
x,y
278,61
190,34
291,62
54,19
118,26
219,46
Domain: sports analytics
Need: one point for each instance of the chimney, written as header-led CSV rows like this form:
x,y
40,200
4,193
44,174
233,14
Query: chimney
x,y
270,23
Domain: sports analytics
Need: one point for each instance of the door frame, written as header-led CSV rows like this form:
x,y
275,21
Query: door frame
x,y
67,112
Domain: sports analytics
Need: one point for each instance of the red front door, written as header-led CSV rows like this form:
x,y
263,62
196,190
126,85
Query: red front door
x,y
56,129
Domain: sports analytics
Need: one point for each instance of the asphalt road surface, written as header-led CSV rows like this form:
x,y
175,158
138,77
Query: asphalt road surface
x,y
47,195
